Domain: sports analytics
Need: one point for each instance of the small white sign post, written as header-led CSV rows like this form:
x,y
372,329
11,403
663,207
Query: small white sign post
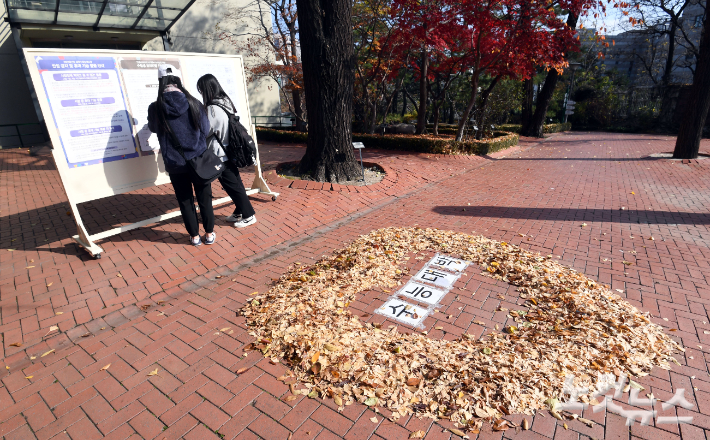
x,y
359,146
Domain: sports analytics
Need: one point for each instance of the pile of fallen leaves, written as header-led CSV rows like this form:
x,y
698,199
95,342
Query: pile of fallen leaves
x,y
570,325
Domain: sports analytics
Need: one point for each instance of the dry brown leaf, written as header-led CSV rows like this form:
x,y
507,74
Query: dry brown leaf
x,y
413,381
16,344
315,357
224,329
50,284
458,432
154,372
105,367
29,377
374,419
47,352
243,370
290,398
58,313
338,400
417,434
526,424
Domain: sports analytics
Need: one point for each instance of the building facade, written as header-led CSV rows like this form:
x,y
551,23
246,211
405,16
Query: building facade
x,y
156,25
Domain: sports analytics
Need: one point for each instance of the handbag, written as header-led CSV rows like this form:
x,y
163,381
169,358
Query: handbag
x,y
204,168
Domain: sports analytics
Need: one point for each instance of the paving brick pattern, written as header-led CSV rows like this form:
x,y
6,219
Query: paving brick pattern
x,y
153,302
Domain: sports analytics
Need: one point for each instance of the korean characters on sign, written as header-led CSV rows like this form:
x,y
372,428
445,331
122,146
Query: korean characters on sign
x,y
428,286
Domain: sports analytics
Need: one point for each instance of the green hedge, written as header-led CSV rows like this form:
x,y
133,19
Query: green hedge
x,y
405,142
547,128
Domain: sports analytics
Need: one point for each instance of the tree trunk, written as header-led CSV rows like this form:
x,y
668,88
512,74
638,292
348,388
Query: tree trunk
x,y
535,129
404,103
469,107
528,92
666,79
421,116
437,111
696,112
325,28
373,118
298,109
484,104
451,111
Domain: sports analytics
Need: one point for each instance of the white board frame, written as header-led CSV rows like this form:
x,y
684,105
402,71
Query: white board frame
x,y
128,174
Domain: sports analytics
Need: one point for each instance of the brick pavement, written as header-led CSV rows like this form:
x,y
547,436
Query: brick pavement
x,y
545,191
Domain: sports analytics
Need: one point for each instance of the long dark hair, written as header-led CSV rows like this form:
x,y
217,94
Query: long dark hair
x,y
210,89
196,108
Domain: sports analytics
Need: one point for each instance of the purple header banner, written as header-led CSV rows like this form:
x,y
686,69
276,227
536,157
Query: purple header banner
x,y
76,63
86,101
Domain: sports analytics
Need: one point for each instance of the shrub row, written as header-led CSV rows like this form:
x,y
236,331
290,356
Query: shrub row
x,y
405,142
547,128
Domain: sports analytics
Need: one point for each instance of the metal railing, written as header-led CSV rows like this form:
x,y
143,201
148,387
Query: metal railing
x,y
20,135
274,121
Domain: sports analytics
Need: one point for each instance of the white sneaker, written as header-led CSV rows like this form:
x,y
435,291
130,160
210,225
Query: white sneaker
x,y
245,222
234,218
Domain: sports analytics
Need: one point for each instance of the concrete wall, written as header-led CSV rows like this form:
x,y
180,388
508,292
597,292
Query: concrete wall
x,y
196,32
15,103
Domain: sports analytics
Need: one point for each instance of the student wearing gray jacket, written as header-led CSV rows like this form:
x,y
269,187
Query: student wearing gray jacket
x,y
214,98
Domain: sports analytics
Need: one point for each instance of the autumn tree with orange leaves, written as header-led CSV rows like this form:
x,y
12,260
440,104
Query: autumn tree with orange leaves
x,y
273,48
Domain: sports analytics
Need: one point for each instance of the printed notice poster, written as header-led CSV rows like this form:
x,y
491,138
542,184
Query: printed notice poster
x,y
224,69
88,107
140,78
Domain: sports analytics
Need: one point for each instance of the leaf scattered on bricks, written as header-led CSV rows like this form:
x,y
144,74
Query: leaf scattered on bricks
x,y
51,329
154,373
218,277
16,344
29,267
50,284
58,313
458,432
47,352
224,329
33,357
253,293
374,420
569,325
7,367
86,335
290,398
105,367
160,303
338,400
417,434
243,370
525,425
29,377
144,307
119,275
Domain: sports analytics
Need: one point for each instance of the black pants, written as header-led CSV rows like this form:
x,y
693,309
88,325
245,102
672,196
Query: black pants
x,y
232,184
183,184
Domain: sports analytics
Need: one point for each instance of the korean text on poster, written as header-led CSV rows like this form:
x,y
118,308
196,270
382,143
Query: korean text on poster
x,y
88,108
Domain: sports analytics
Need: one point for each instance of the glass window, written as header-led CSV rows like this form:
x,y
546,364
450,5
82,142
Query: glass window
x,y
31,16
76,18
34,4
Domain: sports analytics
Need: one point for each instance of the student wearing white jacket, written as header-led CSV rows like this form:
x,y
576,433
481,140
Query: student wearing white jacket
x,y
214,98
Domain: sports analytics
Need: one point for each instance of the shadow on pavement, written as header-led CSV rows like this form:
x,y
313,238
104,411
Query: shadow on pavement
x,y
588,215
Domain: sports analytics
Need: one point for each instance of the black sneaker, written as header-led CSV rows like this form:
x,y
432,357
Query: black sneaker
x,y
234,218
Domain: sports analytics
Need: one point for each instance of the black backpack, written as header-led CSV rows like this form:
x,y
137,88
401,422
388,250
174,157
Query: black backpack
x,y
241,149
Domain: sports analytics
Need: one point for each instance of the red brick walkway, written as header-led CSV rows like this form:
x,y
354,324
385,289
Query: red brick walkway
x,y
544,191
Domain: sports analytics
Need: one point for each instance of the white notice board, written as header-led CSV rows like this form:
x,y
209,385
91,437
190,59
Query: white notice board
x,y
95,104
